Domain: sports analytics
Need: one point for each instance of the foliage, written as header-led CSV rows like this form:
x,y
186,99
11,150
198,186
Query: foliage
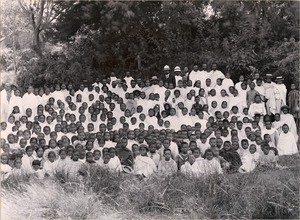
x,y
104,36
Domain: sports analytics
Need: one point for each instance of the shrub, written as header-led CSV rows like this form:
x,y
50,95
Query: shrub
x,y
261,194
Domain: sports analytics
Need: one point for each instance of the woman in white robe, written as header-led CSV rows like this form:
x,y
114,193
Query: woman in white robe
x,y
16,100
286,144
242,91
5,98
289,120
280,94
30,99
269,93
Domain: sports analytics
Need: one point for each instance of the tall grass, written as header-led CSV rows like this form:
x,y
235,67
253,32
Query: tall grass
x,y
262,194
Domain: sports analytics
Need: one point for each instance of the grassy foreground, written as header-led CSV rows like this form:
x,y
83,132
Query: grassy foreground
x,y
261,194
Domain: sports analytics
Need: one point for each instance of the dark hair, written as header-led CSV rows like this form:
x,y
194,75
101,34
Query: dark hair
x,y
245,140
165,150
36,162
96,151
28,147
207,151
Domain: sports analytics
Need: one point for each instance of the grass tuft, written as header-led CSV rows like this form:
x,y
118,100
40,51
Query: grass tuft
x,y
263,194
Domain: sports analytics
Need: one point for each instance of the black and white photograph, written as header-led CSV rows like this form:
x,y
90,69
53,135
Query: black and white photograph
x,y
149,109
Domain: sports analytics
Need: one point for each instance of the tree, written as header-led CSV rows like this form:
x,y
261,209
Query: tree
x,y
41,13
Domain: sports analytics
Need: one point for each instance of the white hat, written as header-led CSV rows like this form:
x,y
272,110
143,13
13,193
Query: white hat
x,y
166,67
177,69
153,78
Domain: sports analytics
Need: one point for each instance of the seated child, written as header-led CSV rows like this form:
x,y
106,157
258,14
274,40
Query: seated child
x,y
5,168
153,153
231,156
87,168
36,170
222,161
17,171
211,165
250,160
143,165
187,168
97,157
244,150
27,159
167,166
63,162
50,165
114,162
182,157
74,166
268,158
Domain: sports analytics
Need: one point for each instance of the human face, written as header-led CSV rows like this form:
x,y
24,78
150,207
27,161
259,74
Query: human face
x,y
40,152
184,148
285,129
245,145
4,159
89,158
266,150
257,99
252,149
143,151
97,155
29,152
75,156
63,155
167,155
51,157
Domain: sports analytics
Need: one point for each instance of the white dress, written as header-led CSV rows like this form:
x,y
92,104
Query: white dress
x,y
290,121
286,144
249,162
144,166
212,167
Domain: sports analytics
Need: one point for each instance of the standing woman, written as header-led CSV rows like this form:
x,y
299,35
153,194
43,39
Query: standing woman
x,y
289,120
286,144
16,100
30,99
5,98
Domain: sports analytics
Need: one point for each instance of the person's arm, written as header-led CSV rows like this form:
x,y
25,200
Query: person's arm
x,y
247,99
130,160
276,137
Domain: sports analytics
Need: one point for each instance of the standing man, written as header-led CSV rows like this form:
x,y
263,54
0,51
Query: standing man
x,y
177,73
215,74
269,91
280,94
5,97
204,74
194,74
167,77
128,78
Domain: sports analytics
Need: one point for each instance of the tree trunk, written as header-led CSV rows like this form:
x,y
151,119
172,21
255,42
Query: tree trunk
x,y
14,55
37,42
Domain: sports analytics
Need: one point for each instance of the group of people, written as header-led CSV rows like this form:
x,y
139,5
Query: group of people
x,y
197,123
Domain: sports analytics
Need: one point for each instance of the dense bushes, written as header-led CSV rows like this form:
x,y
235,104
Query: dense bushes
x,y
261,194
100,37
